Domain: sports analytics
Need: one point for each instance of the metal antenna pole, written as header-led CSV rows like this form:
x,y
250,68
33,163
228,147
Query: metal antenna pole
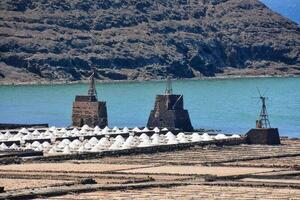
x,y
263,118
92,88
169,89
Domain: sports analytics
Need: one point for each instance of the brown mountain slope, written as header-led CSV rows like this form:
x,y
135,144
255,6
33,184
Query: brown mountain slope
x,y
142,39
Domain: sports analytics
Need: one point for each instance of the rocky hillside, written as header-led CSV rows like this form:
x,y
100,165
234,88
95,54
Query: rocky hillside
x,y
143,39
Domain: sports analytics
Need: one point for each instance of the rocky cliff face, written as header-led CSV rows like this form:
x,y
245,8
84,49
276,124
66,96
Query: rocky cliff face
x,y
143,39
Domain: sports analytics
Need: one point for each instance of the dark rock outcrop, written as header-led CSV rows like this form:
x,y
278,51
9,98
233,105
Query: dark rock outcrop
x,y
144,39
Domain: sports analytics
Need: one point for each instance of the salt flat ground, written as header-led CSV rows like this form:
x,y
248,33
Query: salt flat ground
x,y
192,192
210,172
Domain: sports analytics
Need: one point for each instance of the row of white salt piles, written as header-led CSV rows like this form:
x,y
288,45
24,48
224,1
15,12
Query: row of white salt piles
x,y
53,132
116,143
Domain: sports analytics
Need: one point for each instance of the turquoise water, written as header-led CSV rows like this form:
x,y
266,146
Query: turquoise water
x,y
228,105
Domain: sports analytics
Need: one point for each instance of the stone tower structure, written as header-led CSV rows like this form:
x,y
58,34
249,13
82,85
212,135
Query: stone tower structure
x,y
169,112
88,110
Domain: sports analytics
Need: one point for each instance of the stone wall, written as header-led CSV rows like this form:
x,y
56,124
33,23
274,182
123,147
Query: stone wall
x,y
90,113
169,112
267,136
16,126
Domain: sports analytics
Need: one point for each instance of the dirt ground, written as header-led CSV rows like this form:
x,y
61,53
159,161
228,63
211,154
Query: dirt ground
x,y
14,184
199,170
67,167
191,192
212,172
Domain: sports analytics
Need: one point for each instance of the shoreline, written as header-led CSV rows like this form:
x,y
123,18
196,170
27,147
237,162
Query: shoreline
x,y
223,77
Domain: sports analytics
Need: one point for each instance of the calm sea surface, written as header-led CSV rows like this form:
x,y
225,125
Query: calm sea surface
x,y
228,105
